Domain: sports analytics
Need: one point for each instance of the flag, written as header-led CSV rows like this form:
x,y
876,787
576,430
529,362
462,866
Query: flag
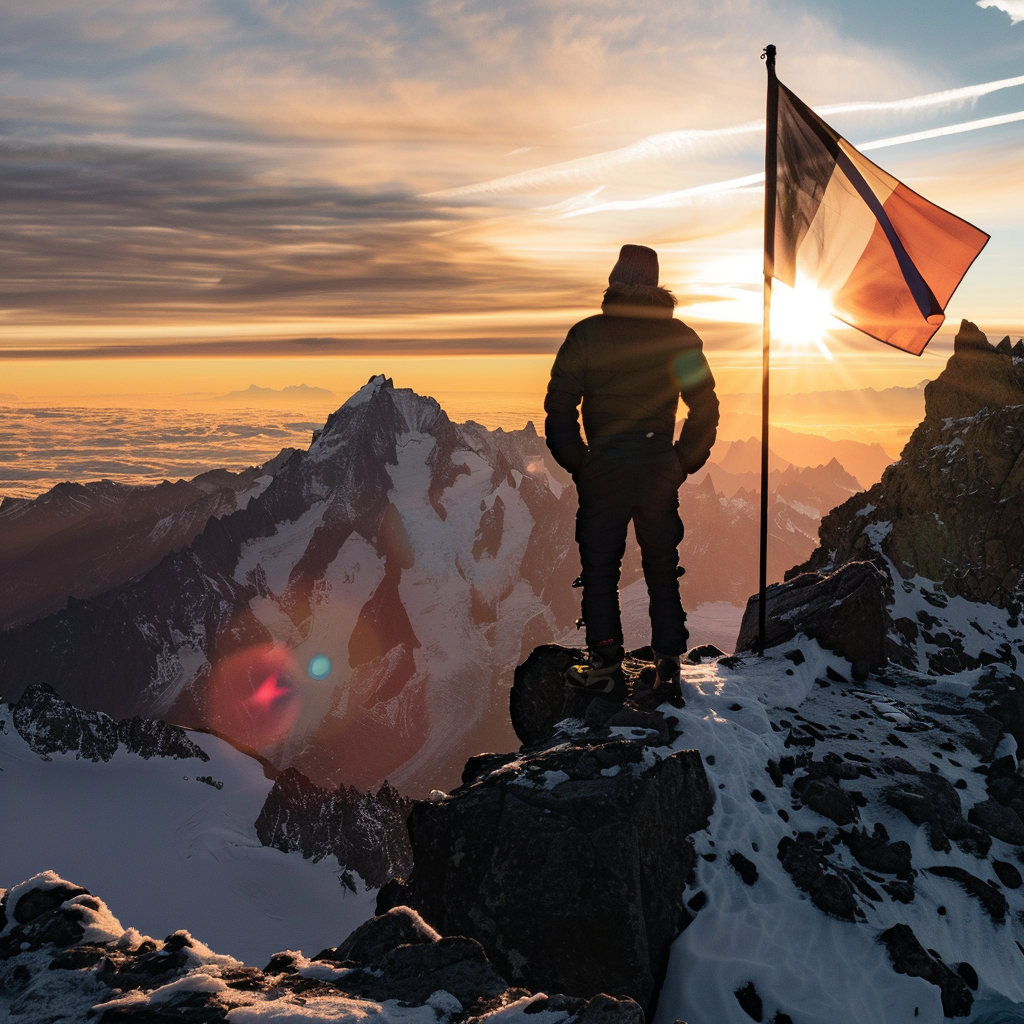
x,y
888,258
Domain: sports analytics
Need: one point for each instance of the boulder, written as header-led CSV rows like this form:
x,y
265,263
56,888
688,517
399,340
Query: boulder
x,y
844,610
931,800
538,695
805,860
365,831
1002,822
909,957
375,939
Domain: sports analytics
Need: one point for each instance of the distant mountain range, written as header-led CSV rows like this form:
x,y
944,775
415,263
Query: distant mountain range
x,y
292,393
883,418
81,540
364,579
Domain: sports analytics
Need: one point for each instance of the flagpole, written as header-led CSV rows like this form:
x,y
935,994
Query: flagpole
x,y
770,185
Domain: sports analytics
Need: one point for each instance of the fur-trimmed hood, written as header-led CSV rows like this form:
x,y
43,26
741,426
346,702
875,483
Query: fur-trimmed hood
x,y
638,300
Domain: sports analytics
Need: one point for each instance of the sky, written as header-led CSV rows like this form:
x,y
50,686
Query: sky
x,y
198,195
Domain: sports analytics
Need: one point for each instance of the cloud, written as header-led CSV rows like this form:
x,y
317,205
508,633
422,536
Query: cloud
x,y
1014,8
689,141
687,195
200,177
134,235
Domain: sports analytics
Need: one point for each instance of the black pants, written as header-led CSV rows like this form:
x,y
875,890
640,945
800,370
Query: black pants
x,y
611,494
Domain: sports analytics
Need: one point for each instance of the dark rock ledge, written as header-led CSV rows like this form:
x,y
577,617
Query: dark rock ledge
x,y
568,859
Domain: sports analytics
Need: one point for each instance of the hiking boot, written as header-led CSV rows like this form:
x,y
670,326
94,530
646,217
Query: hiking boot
x,y
602,674
666,678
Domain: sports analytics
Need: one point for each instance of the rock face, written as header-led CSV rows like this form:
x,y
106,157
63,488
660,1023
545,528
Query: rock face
x,y
566,861
945,522
49,724
365,831
64,956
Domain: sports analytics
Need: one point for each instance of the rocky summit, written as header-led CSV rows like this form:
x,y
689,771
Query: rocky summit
x,y
567,858
944,528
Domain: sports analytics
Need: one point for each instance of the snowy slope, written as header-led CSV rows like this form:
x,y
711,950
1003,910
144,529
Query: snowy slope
x,y
168,851
801,961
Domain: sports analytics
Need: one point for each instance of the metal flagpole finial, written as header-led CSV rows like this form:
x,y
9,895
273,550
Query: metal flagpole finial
x,y
768,54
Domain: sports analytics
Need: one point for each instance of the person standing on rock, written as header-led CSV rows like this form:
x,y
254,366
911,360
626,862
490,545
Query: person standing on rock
x,y
629,366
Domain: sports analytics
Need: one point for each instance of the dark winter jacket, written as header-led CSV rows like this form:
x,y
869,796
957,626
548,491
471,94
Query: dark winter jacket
x,y
630,365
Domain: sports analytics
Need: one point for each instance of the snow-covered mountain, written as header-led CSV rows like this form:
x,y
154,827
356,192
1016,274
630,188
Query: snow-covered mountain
x,y
388,579
362,586
945,525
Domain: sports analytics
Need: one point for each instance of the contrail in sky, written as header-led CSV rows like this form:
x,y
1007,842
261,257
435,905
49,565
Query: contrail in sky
x,y
672,142
680,198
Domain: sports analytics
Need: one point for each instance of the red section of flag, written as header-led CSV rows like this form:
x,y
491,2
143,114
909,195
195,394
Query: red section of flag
x,y
890,259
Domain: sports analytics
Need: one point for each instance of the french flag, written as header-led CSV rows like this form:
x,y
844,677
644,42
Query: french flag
x,y
889,259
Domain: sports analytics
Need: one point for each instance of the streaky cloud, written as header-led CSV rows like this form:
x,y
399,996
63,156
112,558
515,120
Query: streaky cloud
x,y
686,195
952,129
948,97
668,143
647,148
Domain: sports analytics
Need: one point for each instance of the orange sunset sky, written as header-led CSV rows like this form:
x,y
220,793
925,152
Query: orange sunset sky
x,y
200,195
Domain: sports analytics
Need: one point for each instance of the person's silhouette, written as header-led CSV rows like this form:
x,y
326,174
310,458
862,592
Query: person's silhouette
x,y
629,366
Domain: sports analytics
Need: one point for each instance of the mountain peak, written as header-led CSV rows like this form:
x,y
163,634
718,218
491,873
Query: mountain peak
x,y
977,375
376,383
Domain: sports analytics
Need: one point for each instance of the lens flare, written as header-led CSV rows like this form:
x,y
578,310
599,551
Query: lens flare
x,y
254,696
319,667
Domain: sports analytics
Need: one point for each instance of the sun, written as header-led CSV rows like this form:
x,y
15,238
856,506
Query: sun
x,y
800,317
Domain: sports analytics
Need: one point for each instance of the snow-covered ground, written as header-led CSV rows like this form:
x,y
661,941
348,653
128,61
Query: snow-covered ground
x,y
166,851
802,962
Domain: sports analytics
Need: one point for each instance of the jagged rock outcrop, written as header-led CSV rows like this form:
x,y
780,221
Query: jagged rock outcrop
x,y
50,725
365,831
566,860
64,956
952,509
151,737
945,521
